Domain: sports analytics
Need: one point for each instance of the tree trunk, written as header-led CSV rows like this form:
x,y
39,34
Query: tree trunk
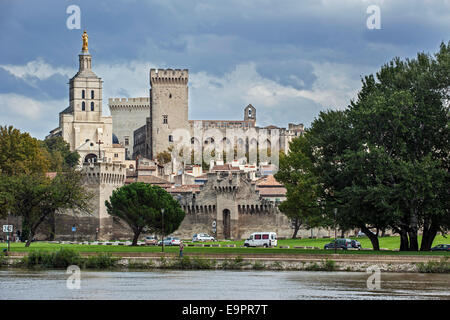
x,y
429,233
30,237
404,242
296,228
136,237
372,237
412,232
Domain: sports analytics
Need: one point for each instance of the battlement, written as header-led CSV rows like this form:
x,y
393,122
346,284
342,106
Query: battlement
x,y
169,76
129,103
104,172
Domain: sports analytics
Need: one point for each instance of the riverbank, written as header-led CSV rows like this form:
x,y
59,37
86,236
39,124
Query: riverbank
x,y
194,261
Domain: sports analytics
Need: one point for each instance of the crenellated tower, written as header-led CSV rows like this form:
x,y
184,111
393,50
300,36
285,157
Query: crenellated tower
x,y
168,107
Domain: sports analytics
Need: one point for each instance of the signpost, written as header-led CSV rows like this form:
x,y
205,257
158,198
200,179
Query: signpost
x,y
74,229
8,228
214,229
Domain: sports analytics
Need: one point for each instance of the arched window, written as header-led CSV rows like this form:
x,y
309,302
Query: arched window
x,y
92,106
170,138
83,106
82,94
92,94
90,158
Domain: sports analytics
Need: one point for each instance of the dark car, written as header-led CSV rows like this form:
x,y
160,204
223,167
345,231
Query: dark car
x,y
339,244
441,247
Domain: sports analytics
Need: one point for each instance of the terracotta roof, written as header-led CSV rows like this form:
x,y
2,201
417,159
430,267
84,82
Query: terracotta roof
x,y
184,188
117,145
150,168
271,192
225,167
51,175
268,181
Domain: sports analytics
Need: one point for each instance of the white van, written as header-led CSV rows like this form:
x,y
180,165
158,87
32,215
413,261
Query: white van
x,y
262,239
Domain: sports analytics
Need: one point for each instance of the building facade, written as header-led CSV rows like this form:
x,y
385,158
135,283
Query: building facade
x,y
128,114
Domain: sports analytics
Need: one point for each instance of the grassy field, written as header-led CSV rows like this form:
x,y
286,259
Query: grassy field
x,y
390,243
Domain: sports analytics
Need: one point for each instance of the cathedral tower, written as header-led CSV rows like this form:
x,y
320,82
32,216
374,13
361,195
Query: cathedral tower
x,y
82,124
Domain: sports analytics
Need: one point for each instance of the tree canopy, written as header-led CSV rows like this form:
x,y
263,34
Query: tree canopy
x,y
140,206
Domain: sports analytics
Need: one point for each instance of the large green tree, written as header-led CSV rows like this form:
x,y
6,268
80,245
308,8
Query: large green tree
x,y
20,153
37,198
296,172
403,114
140,205
59,154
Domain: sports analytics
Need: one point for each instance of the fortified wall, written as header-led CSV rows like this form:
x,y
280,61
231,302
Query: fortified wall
x,y
229,200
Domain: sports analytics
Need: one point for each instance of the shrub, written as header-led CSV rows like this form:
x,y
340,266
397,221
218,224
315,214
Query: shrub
x,y
442,266
258,265
64,258
37,258
101,261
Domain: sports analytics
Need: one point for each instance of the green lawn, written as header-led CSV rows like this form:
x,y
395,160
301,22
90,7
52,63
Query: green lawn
x,y
390,243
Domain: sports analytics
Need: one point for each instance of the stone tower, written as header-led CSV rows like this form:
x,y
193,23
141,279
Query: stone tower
x,y
168,107
128,114
250,114
82,124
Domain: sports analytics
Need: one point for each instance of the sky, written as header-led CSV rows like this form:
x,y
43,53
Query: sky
x,y
290,59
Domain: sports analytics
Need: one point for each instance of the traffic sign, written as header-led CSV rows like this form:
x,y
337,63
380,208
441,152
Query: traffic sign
x,y
74,229
214,224
7,228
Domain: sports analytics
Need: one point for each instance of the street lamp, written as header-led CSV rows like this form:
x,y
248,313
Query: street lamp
x,y
162,230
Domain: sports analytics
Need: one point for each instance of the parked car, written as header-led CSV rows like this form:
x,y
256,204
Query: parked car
x,y
262,239
356,244
170,241
340,244
202,237
151,240
441,247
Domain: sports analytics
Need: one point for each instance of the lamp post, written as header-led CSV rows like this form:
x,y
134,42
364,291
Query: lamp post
x,y
335,231
162,230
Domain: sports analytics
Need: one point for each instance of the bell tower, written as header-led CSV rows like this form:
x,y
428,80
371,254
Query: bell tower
x,y
85,88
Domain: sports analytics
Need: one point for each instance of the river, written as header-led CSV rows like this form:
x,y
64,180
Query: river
x,y
220,285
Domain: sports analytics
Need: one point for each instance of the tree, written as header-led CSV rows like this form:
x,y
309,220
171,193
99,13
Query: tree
x,y
59,154
37,198
140,204
296,173
403,113
20,153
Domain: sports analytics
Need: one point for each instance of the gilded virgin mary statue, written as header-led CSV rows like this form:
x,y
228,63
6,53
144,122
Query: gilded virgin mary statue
x,y
85,41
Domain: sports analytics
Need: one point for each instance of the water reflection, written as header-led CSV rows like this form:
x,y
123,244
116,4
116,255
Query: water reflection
x,y
222,285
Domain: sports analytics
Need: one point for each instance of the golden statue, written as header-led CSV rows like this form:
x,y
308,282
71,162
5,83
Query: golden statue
x,y
85,41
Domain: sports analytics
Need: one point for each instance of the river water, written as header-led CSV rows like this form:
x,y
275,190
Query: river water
x,y
220,285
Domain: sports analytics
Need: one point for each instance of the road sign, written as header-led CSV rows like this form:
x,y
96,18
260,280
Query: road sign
x,y
74,229
7,228
214,224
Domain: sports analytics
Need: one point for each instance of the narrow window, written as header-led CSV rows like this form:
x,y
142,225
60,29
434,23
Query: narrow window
x,y
165,120
127,141
92,94
83,106
92,106
82,94
170,138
